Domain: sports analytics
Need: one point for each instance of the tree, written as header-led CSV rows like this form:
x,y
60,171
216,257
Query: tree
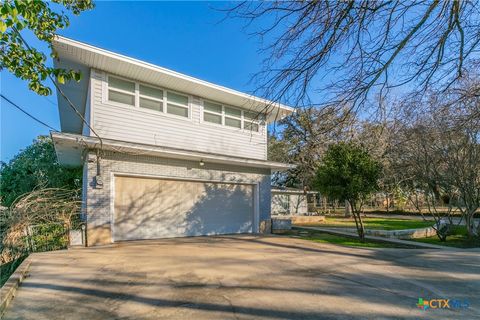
x,y
303,139
348,173
438,152
27,62
33,168
353,49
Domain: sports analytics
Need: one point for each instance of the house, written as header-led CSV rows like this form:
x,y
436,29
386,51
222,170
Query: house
x,y
290,201
163,154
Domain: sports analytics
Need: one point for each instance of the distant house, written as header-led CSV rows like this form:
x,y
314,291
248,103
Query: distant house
x,y
292,201
178,156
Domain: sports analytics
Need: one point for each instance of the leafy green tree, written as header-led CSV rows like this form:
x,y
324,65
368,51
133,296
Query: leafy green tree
x,y
18,56
348,173
35,167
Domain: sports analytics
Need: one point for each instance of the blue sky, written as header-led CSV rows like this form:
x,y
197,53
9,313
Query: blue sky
x,y
187,37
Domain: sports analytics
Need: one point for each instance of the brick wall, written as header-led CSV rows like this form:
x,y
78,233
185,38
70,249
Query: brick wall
x,y
97,202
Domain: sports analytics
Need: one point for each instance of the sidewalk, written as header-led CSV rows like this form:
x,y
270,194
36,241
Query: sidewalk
x,y
382,239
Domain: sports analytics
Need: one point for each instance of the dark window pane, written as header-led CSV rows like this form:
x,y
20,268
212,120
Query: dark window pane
x,y
214,118
121,97
151,104
121,84
236,123
179,111
151,92
251,126
177,98
233,112
209,106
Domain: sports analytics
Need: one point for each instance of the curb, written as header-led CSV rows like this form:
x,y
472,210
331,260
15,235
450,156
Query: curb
x,y
7,292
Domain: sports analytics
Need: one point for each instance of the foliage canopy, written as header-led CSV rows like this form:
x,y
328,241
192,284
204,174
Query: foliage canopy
x,y
35,167
347,173
23,60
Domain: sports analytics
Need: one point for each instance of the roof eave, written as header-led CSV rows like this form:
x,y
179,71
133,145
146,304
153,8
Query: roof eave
x,y
105,60
70,149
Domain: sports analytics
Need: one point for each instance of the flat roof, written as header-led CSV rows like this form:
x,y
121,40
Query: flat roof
x,y
72,54
70,151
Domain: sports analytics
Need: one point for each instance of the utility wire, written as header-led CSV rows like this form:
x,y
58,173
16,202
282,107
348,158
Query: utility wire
x,y
70,103
28,114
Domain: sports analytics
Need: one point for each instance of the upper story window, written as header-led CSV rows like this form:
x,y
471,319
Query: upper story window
x,y
121,91
231,117
147,97
212,112
252,120
177,104
151,98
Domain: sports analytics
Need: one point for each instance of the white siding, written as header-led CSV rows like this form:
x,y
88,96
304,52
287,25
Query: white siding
x,y
149,127
287,203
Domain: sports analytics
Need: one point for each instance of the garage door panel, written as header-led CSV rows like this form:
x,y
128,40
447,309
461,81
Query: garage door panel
x,y
156,208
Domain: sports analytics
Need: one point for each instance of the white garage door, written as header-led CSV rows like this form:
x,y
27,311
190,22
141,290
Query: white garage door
x,y
156,208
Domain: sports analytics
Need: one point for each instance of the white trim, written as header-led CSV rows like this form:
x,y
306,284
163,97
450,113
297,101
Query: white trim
x,y
137,95
256,208
255,194
261,128
65,43
112,205
70,140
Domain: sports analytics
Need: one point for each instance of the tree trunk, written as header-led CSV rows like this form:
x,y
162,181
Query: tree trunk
x,y
470,224
358,221
348,211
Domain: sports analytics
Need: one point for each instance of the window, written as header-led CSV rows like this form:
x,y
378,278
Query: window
x,y
177,104
151,98
121,91
146,97
252,120
212,112
233,117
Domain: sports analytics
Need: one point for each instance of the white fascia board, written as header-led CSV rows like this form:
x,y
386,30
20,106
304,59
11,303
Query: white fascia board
x,y
68,146
77,52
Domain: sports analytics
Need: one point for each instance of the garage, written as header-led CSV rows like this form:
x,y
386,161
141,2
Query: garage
x,y
152,208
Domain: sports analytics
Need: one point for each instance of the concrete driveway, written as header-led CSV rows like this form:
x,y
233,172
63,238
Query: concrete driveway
x,y
245,277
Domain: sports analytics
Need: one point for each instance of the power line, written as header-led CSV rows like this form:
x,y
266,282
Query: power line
x,y
69,102
28,114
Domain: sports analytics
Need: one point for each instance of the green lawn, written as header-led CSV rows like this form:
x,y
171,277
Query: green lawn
x,y
349,242
459,239
372,223
340,240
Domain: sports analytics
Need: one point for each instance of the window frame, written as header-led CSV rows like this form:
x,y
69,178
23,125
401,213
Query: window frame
x,y
221,113
133,94
137,96
166,103
151,98
242,119
257,121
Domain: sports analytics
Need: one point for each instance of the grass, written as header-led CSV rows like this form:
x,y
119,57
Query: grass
x,y
458,239
372,223
342,241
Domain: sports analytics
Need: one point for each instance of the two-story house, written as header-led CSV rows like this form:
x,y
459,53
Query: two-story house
x,y
163,154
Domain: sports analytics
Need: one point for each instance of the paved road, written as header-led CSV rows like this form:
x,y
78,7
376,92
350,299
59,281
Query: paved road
x,y
245,277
